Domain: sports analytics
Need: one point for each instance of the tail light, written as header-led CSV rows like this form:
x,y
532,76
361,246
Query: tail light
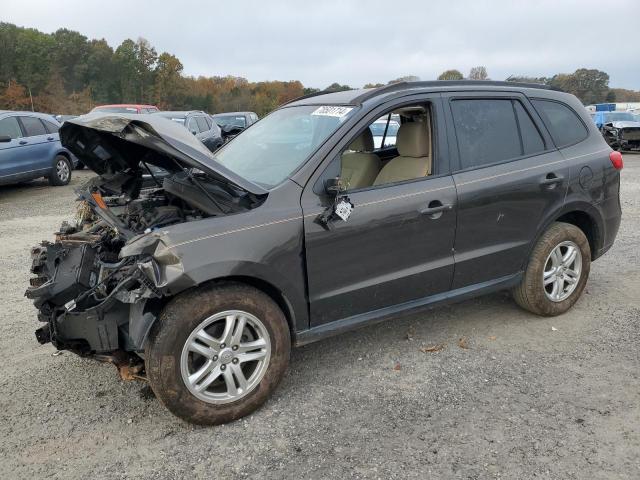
x,y
616,160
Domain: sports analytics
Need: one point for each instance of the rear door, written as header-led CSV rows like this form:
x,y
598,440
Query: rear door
x,y
13,154
508,177
38,148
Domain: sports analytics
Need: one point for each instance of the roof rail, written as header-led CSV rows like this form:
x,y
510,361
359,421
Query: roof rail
x,y
311,95
445,83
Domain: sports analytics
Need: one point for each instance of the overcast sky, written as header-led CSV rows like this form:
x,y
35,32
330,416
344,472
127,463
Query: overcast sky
x,y
357,42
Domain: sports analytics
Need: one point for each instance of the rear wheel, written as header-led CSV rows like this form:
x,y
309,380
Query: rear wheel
x,y
61,172
217,353
557,271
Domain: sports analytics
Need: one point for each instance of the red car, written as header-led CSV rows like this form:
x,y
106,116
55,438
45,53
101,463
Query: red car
x,y
125,108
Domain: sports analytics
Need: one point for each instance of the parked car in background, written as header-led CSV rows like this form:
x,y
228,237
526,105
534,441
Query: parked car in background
x,y
200,124
621,130
300,229
63,118
236,119
30,148
384,131
125,108
233,123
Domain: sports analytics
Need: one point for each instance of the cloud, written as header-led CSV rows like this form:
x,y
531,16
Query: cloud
x,y
359,42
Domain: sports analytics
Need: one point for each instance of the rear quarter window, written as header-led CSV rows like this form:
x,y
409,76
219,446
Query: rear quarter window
x,y
564,125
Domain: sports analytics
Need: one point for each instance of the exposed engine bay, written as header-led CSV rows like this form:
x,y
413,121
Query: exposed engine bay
x,y
95,298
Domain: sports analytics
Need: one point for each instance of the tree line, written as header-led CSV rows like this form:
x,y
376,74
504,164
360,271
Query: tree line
x,y
66,73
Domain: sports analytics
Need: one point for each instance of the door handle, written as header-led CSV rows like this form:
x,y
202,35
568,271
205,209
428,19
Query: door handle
x,y
50,139
23,142
435,209
551,180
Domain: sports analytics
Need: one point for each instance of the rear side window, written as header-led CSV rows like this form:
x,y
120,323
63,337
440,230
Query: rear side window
x,y
488,133
33,126
50,126
202,124
563,123
9,127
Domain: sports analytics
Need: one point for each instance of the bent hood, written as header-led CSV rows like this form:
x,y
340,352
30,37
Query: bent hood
x,y
110,143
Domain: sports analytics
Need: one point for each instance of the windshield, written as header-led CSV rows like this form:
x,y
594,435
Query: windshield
x,y
269,151
619,117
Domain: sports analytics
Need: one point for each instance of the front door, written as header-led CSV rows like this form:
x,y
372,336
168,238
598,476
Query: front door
x,y
396,245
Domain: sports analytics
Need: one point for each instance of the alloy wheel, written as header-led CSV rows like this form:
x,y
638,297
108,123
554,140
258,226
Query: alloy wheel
x,y
62,170
225,357
562,271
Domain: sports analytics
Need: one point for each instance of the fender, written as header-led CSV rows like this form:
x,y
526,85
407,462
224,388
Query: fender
x,y
261,273
141,320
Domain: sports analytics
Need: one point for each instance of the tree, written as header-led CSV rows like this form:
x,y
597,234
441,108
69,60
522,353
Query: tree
x,y
624,95
168,80
101,76
70,50
373,85
53,98
15,97
589,85
126,72
450,75
336,87
407,78
146,58
478,73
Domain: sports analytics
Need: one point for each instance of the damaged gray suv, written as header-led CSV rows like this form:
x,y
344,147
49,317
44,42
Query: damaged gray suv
x,y
198,271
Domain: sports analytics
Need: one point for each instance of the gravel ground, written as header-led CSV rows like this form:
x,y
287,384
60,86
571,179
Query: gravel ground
x,y
529,397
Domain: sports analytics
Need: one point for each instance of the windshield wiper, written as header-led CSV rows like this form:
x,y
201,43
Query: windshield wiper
x,y
197,183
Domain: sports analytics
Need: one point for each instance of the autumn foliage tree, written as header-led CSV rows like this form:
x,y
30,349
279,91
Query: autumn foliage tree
x,y
65,72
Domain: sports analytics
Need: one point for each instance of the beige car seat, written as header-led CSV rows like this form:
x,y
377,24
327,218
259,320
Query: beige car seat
x,y
360,167
414,160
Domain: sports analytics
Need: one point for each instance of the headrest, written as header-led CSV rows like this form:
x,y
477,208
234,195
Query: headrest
x,y
413,140
363,143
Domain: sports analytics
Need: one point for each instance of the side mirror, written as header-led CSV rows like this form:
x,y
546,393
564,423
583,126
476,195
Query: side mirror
x,y
334,186
5,138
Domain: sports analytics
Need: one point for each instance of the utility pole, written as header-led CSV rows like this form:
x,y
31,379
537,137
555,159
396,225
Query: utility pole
x,y
31,98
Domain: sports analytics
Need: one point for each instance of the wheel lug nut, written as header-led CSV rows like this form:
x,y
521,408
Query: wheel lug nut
x,y
235,360
235,347
223,367
215,358
222,345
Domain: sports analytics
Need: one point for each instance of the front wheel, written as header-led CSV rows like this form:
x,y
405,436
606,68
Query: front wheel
x,y
557,271
217,353
61,172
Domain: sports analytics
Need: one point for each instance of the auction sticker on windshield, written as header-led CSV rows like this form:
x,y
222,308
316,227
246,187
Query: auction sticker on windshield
x,y
332,111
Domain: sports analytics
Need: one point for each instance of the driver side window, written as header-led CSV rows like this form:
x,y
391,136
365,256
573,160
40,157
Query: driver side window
x,y
396,147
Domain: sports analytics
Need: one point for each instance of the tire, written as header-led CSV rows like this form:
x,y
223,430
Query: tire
x,y
61,172
532,294
175,328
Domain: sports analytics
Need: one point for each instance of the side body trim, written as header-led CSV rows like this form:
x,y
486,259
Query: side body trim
x,y
351,323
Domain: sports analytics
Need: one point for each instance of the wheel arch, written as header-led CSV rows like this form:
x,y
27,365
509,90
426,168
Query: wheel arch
x,y
581,214
273,292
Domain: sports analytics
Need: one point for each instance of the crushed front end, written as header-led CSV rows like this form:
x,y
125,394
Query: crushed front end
x,y
102,282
